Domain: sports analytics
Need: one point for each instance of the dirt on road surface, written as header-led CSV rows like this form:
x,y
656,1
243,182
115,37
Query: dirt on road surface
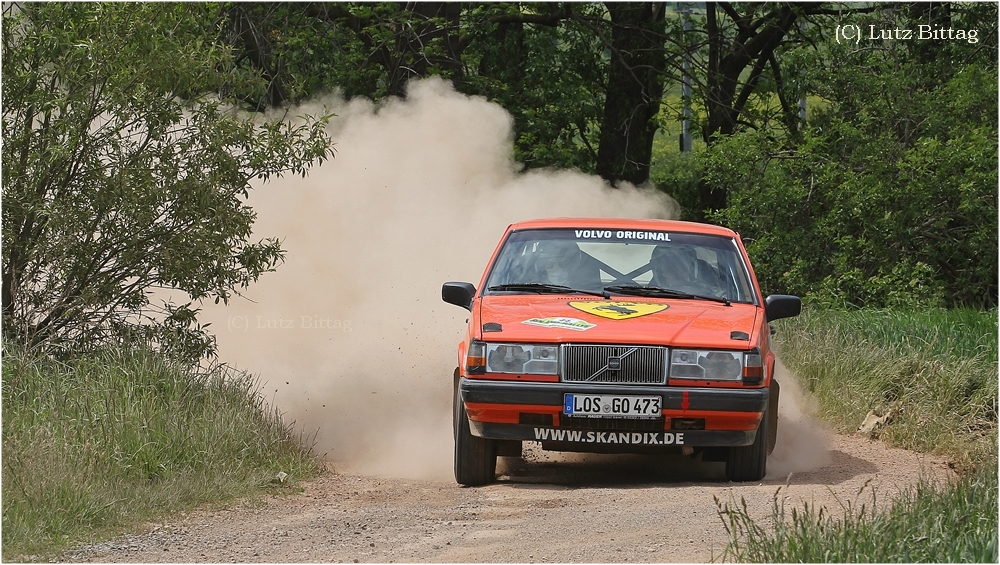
x,y
545,508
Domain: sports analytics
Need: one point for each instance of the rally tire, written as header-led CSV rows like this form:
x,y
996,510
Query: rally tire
x,y
455,399
749,463
772,409
475,457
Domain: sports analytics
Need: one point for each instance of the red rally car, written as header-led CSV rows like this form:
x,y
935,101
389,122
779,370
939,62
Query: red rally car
x,y
616,336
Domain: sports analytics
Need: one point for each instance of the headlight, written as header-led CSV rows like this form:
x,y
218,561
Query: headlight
x,y
707,365
523,359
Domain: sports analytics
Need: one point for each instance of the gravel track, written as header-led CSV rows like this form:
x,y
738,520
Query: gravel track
x,y
546,507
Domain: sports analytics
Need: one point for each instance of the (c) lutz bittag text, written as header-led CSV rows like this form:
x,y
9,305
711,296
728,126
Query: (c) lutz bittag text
x,y
853,33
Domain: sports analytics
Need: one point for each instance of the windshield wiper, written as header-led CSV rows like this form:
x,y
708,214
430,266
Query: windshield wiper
x,y
657,292
545,288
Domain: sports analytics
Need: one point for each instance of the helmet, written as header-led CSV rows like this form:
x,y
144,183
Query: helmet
x,y
672,264
557,248
555,258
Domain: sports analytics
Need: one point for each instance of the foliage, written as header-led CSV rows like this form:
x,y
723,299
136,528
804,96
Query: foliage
x,y
547,70
359,49
552,79
96,443
673,171
300,54
582,80
889,197
677,174
123,174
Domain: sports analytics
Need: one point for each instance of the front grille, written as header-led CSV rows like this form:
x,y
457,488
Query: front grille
x,y
622,364
612,424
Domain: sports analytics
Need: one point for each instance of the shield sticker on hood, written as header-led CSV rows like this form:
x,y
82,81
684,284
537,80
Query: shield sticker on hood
x,y
618,309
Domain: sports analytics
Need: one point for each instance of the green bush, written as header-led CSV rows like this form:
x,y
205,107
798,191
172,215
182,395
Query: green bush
x,y
677,173
127,166
888,197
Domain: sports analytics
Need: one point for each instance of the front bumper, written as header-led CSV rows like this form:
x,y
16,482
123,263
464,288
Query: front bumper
x,y
533,411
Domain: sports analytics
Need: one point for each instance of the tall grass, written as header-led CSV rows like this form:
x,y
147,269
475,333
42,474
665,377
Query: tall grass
x,y
925,524
954,333
108,440
935,372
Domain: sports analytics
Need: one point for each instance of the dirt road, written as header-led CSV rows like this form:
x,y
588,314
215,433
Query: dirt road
x,y
545,508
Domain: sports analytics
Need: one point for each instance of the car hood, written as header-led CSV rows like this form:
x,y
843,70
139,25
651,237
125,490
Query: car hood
x,y
633,320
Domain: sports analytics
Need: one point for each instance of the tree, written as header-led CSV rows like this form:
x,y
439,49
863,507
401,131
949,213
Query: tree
x,y
635,87
752,45
371,49
739,67
582,81
888,197
124,173
548,69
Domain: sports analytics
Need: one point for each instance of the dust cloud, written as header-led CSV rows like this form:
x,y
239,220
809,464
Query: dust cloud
x,y
349,336
803,442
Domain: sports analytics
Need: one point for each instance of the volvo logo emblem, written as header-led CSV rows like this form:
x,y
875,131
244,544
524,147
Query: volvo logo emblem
x,y
614,362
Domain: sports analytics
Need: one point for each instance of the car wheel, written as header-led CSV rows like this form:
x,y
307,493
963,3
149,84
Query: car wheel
x,y
475,457
772,407
749,463
454,403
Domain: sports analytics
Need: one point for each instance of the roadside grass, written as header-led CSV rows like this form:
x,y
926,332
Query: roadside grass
x,y
934,373
925,524
98,444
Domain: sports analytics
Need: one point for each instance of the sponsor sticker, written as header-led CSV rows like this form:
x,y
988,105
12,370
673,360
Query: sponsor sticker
x,y
630,438
618,309
623,234
563,323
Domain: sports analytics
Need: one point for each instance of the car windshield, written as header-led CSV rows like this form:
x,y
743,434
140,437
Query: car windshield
x,y
548,260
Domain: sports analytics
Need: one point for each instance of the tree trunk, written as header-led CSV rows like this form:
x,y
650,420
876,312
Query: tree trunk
x,y
634,90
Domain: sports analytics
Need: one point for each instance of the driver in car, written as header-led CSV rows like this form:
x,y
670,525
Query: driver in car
x,y
561,262
673,267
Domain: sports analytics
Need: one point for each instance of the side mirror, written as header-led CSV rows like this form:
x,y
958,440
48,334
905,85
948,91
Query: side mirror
x,y
780,306
458,293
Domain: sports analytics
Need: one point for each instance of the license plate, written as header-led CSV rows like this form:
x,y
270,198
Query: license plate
x,y
611,406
